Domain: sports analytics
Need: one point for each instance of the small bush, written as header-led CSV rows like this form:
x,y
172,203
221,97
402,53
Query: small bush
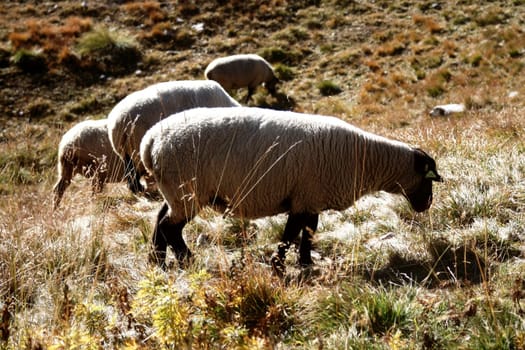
x,y
108,52
435,91
491,17
30,61
329,88
292,35
475,60
277,54
284,72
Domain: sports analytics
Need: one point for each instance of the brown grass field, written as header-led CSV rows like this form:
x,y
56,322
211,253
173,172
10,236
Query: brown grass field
x,y
384,277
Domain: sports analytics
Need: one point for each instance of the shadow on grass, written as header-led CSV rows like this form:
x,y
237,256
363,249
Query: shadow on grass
x,y
461,265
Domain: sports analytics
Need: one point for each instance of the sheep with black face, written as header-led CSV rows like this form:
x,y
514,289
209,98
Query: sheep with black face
x,y
253,162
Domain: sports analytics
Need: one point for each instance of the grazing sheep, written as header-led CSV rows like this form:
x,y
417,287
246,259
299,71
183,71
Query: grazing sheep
x,y
85,149
253,162
238,71
448,109
135,114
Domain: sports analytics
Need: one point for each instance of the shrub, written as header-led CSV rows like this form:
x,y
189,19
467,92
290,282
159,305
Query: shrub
x,y
277,54
30,61
108,52
435,90
491,17
329,88
292,35
284,72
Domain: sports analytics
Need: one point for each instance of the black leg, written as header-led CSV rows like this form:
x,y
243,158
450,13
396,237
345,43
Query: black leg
x,y
296,222
58,190
132,176
167,233
305,249
177,244
158,240
250,93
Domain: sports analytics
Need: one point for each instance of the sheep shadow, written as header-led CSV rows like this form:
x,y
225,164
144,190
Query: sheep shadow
x,y
448,266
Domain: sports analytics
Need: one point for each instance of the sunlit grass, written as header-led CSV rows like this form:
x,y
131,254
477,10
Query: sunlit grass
x,y
384,277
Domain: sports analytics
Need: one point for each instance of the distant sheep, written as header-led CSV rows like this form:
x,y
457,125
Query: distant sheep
x,y
448,109
252,162
135,114
85,149
239,71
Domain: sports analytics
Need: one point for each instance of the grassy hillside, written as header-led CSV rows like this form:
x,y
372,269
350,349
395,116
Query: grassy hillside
x,y
385,277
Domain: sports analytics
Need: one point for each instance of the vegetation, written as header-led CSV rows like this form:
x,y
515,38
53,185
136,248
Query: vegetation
x,y
384,276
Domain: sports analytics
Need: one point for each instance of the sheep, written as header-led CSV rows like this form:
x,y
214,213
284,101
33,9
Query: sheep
x,y
253,162
238,71
448,109
85,149
136,113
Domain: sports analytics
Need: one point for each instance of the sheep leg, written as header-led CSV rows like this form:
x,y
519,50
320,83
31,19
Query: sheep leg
x,y
65,172
251,90
168,233
305,249
58,191
294,225
132,176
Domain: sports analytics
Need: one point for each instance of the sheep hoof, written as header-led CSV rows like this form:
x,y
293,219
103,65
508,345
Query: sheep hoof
x,y
185,260
158,258
277,265
307,273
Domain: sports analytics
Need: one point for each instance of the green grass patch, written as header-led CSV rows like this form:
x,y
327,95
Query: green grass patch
x,y
108,51
329,88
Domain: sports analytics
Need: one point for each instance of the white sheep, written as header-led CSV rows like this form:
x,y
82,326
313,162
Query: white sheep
x,y
239,71
447,109
253,162
129,120
85,149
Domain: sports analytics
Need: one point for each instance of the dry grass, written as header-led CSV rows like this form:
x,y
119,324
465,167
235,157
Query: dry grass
x,y
384,278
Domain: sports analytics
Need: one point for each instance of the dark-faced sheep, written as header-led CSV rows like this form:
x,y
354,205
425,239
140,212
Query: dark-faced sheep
x,y
240,71
129,120
252,162
85,149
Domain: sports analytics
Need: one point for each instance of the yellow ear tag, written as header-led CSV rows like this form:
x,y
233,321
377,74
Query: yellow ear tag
x,y
431,175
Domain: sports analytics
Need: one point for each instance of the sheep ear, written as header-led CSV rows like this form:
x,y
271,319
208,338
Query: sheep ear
x,y
432,175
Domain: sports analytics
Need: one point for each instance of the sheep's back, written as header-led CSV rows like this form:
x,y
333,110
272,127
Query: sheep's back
x,y
139,111
260,162
239,71
88,143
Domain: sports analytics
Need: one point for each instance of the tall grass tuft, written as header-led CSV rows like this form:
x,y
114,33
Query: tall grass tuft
x,y
108,51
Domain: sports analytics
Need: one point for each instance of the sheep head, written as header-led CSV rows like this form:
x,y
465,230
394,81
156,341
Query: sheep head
x,y
420,197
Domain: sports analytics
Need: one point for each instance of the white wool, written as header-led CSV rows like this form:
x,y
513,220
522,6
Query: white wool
x,y
240,71
255,162
129,120
85,149
447,109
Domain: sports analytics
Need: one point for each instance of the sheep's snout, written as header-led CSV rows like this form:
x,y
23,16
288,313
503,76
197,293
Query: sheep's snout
x,y
421,199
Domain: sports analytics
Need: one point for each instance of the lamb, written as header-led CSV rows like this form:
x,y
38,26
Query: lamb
x,y
129,120
253,162
238,71
85,149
